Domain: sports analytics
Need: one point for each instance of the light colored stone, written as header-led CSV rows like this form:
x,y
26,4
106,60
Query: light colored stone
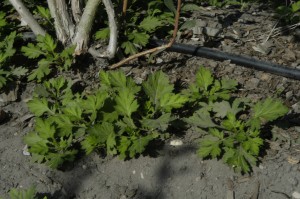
x,y
296,195
176,143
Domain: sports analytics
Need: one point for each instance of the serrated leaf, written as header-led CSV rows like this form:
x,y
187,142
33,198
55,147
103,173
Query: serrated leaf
x,y
209,147
38,106
129,48
98,136
46,43
73,110
228,84
36,143
138,145
139,38
191,7
221,108
252,145
201,118
156,86
102,33
111,144
150,23
269,110
160,123
42,70
216,133
31,51
126,103
44,128
204,78
19,71
170,5
104,78
188,25
23,193
170,101
123,147
117,78
44,12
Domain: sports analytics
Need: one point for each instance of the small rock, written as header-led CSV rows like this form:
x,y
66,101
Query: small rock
x,y
84,167
123,197
289,95
212,32
25,150
296,107
176,143
252,83
296,195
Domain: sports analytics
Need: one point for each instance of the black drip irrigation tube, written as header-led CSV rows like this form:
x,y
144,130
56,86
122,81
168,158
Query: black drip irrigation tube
x,y
248,62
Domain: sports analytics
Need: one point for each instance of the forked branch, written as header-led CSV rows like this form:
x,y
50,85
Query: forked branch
x,y
157,49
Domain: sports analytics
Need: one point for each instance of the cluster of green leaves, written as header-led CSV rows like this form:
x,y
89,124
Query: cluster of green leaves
x,y
141,21
123,117
8,72
231,136
118,117
289,13
49,57
29,193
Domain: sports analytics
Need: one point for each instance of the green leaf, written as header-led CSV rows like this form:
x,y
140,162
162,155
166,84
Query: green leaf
x,y
104,78
221,108
171,101
117,79
252,145
19,71
38,106
269,110
204,78
126,103
36,144
228,84
44,12
129,48
31,51
139,38
102,33
46,43
2,19
73,111
188,25
98,136
42,70
170,5
160,123
201,118
111,144
23,193
150,23
138,145
156,86
209,147
123,147
44,128
191,7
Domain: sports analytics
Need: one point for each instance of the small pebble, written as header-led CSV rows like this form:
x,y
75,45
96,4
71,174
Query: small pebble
x,y
176,143
25,150
296,195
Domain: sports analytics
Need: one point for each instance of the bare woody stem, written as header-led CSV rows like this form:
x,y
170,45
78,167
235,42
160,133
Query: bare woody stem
x,y
27,17
84,27
157,49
